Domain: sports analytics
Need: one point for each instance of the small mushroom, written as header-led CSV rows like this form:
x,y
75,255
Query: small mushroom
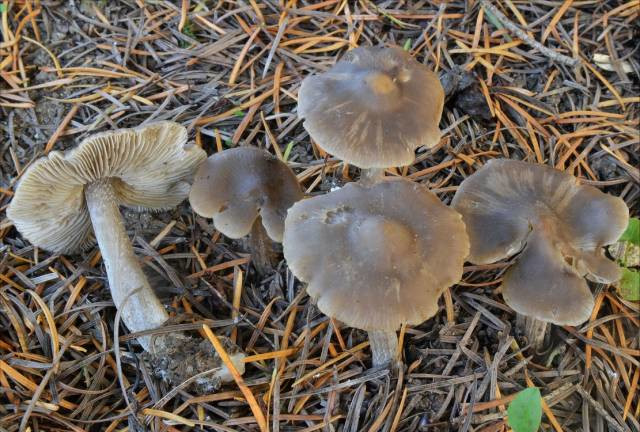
x,y
558,225
373,108
376,256
67,201
246,190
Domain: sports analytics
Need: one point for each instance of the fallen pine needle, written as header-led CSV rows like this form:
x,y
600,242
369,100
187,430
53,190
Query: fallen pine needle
x,y
330,362
168,416
61,128
251,400
270,355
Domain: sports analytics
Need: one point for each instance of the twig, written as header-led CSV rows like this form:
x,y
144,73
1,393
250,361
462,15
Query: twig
x,y
600,409
553,55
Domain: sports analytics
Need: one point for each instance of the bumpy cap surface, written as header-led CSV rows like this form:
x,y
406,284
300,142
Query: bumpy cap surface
x,y
559,225
373,108
376,257
235,186
150,167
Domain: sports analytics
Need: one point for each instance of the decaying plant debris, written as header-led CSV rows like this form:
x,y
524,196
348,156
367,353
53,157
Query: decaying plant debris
x,y
554,82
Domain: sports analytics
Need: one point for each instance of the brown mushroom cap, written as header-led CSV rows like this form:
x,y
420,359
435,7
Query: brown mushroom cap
x,y
508,204
373,108
235,186
376,257
149,167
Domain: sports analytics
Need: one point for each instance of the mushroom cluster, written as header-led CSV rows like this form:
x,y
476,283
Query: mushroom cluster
x,y
359,251
377,245
143,168
375,254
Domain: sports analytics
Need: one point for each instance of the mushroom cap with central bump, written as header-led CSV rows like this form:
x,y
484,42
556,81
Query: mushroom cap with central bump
x,y
376,257
559,225
373,108
235,186
149,168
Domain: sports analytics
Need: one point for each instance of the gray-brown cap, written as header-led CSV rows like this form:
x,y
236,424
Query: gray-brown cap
x,y
150,168
373,108
509,205
376,257
235,186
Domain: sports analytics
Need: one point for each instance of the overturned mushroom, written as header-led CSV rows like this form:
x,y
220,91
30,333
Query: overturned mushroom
x,y
246,190
65,202
373,108
376,257
557,224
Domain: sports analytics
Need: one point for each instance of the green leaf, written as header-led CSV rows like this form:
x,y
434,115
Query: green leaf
x,y
525,411
3,7
629,285
407,45
238,113
632,233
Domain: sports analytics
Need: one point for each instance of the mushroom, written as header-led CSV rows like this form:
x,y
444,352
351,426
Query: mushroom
x,y
67,201
246,190
556,224
377,256
373,108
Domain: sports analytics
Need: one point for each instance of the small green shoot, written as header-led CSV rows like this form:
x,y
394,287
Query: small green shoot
x,y
238,113
287,151
228,143
525,411
187,30
407,45
388,15
495,21
3,7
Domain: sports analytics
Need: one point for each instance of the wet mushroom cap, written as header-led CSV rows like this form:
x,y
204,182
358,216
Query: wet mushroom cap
x,y
149,168
376,257
559,225
373,108
235,186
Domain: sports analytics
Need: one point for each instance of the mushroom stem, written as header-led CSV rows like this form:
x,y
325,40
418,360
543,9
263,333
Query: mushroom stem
x,y
371,176
534,330
261,248
384,345
175,356
138,305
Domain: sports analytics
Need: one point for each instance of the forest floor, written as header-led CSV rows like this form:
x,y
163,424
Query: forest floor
x,y
548,81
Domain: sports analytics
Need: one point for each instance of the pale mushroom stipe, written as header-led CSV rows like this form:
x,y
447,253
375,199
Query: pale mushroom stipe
x,y
375,257
373,108
558,225
246,191
67,201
